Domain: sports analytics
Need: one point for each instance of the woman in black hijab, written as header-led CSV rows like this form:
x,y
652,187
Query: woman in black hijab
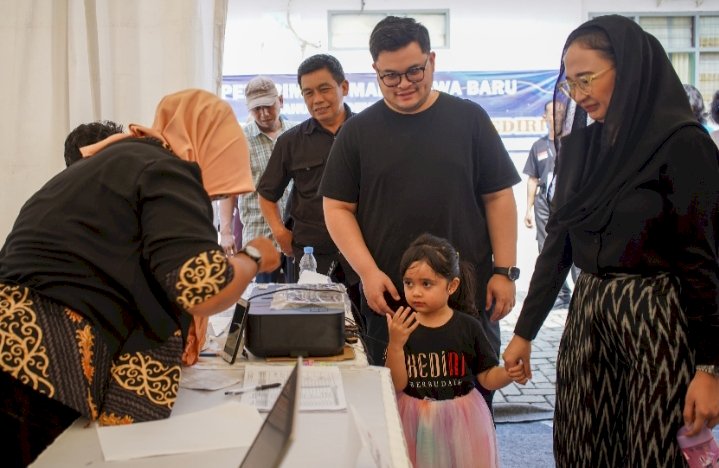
x,y
635,208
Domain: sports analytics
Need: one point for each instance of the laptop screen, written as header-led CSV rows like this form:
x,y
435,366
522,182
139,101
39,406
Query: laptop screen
x,y
273,440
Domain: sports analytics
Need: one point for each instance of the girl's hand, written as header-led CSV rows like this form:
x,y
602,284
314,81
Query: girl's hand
x,y
516,373
401,324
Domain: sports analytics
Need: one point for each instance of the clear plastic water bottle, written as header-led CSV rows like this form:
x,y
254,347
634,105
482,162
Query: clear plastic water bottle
x,y
308,262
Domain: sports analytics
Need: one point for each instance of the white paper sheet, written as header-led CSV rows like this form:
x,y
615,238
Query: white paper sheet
x,y
199,379
321,387
225,426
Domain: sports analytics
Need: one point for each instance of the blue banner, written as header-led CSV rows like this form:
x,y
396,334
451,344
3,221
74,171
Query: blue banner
x,y
514,100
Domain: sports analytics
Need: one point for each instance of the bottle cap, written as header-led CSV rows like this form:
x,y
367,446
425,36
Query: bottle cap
x,y
309,249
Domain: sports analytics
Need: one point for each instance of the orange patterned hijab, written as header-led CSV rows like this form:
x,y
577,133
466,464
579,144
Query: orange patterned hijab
x,y
199,127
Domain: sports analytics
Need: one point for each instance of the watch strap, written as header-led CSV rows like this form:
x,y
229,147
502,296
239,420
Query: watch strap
x,y
510,272
253,253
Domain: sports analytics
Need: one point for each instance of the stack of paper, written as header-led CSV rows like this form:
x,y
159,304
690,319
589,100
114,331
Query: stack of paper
x,y
321,387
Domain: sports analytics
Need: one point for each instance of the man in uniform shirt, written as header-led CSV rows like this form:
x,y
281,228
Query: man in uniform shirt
x,y
299,157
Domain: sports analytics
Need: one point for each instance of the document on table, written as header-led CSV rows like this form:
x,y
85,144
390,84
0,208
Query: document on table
x,y
229,425
321,388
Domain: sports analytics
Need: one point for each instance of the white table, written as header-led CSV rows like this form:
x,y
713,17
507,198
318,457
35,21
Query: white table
x,y
321,439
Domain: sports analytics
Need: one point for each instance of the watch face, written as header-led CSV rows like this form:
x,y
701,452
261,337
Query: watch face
x,y
253,253
513,273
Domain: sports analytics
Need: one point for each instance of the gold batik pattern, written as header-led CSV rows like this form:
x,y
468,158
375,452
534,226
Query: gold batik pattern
x,y
22,353
147,377
114,420
85,338
201,277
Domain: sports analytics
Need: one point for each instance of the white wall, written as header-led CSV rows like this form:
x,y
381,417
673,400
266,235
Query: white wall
x,y
485,35
64,62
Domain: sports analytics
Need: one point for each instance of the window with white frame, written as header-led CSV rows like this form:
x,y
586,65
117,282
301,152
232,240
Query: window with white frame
x,y
692,44
351,29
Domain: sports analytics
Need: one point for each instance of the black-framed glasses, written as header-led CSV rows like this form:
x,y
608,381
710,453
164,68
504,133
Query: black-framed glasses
x,y
413,75
583,83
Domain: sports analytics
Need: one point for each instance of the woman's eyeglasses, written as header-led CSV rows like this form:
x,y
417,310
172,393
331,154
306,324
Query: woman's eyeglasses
x,y
583,83
413,75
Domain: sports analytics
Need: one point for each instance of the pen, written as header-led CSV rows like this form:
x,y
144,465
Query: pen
x,y
253,389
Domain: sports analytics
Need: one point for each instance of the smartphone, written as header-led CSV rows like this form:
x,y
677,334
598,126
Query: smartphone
x,y
236,336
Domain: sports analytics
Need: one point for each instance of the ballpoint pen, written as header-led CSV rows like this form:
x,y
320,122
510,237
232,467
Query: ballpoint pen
x,y
253,389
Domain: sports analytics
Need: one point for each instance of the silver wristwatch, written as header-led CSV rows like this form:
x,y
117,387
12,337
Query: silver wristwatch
x,y
709,369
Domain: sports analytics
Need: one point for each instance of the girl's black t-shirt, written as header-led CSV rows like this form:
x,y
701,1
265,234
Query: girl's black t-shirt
x,y
443,363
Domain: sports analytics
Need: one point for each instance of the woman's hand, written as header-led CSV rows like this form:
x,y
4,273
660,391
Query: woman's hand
x,y
702,403
518,352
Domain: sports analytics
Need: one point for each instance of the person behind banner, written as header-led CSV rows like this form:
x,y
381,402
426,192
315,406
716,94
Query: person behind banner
x,y
106,266
696,102
635,207
263,129
539,169
714,111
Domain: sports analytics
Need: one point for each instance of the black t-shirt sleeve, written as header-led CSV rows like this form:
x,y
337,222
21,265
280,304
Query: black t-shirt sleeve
x,y
342,176
175,215
497,171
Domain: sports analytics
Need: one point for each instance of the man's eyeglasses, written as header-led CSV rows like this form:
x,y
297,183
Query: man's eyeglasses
x,y
583,83
413,75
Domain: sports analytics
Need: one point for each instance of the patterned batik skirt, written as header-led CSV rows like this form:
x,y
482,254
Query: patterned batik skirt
x,y
623,368
457,433
60,354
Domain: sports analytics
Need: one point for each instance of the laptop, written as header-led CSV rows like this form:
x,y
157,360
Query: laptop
x,y
277,432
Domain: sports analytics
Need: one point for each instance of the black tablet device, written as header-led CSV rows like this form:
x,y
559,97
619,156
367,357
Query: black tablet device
x,y
235,342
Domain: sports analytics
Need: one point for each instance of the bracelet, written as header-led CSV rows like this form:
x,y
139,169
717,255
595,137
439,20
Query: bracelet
x,y
709,369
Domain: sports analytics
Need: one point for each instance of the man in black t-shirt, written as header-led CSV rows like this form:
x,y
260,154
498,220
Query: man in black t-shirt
x,y
420,161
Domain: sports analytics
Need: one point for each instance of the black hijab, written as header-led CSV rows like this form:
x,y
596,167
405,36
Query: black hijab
x,y
596,163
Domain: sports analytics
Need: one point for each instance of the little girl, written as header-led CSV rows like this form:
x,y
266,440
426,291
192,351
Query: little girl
x,y
437,356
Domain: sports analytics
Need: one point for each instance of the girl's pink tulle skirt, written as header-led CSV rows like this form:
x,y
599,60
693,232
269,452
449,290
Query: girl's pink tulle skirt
x,y
454,433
